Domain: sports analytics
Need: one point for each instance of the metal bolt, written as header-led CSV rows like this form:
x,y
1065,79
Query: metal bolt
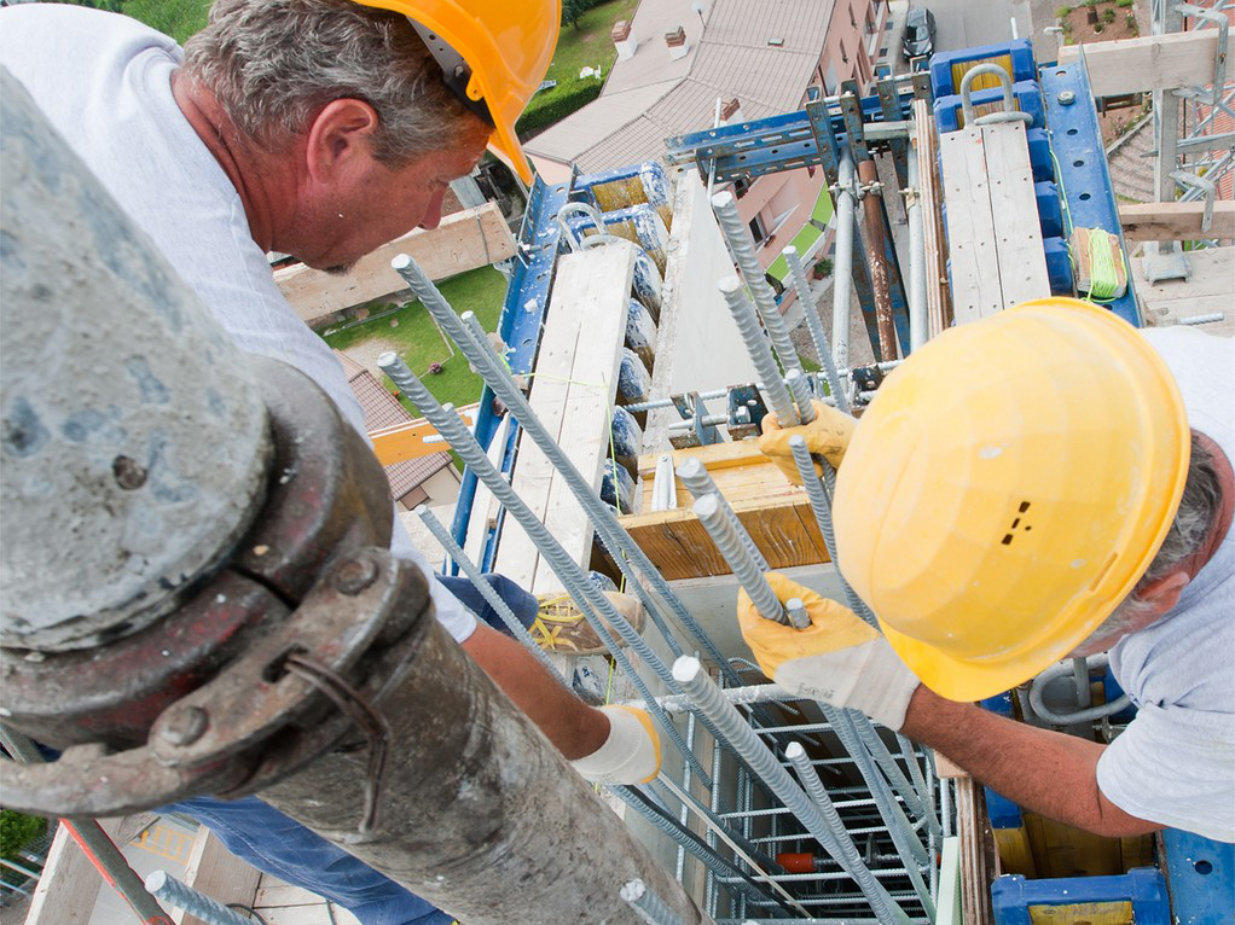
x,y
129,473
355,575
1067,98
185,725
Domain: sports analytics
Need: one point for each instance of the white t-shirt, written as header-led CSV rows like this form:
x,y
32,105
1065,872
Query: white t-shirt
x,y
1175,763
104,81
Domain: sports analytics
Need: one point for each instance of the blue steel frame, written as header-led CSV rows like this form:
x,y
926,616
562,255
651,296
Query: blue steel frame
x,y
1143,887
1080,164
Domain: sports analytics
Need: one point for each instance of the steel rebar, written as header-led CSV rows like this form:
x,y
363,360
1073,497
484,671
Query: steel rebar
x,y
163,885
742,246
759,349
613,536
698,482
725,717
460,558
815,789
745,569
595,603
650,907
815,326
800,389
842,269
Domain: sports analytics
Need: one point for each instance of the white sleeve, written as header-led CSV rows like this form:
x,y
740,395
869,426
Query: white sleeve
x,y
1175,767
458,620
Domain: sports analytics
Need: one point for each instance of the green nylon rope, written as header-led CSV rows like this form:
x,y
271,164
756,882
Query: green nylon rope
x,y
1103,273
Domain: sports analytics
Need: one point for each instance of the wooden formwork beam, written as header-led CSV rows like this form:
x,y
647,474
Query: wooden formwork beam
x,y
1152,62
1176,221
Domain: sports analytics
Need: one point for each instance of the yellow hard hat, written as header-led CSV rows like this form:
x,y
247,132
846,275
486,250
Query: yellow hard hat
x,y
493,54
1007,487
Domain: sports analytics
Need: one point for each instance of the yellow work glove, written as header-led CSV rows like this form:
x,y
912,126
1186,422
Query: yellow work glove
x,y
631,753
838,659
828,435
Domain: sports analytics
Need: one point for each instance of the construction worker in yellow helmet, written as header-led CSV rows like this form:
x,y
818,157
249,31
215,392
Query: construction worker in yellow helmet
x,y
1046,483
321,129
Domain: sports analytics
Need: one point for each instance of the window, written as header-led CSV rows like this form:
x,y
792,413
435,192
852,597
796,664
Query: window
x,y
844,55
758,229
853,20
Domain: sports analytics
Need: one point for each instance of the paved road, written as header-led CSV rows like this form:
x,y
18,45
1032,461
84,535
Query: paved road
x,y
966,23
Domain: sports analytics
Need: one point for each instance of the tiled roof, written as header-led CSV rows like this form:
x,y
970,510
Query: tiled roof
x,y
381,409
649,96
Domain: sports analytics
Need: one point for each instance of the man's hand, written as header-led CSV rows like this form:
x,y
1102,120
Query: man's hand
x,y
837,659
631,753
827,435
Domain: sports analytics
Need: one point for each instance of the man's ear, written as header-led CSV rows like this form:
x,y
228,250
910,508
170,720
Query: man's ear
x,y
1164,593
339,139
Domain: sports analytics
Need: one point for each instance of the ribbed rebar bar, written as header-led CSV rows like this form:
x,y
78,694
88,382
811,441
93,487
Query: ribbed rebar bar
x,y
625,552
650,907
900,829
759,349
167,888
716,865
815,789
815,326
796,611
593,603
698,482
842,269
745,569
799,388
456,553
742,246
724,716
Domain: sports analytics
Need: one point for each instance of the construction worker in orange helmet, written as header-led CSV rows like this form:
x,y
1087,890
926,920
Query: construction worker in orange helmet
x,y
493,56
1042,484
321,129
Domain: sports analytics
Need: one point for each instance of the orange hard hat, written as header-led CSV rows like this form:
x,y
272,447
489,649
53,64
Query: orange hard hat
x,y
493,54
1007,488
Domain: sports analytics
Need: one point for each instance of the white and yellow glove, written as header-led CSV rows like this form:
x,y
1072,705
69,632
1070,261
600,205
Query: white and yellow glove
x,y
631,754
828,435
838,659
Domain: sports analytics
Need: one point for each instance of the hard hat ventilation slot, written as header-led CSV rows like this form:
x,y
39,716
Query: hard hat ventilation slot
x,y
1016,524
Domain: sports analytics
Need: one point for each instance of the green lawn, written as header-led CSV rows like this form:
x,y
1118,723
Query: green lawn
x,y
177,18
587,45
416,338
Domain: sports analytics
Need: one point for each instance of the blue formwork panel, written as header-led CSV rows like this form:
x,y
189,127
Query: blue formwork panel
x,y
1050,218
1201,878
1040,154
1080,159
1020,52
1144,887
1058,266
1026,93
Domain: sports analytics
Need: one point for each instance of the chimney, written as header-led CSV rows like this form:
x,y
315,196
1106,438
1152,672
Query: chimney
x,y
623,39
676,40
731,111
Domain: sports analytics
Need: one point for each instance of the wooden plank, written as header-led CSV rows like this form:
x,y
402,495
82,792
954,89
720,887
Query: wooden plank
x,y
599,319
1208,289
401,442
976,292
217,873
938,302
69,887
978,861
587,313
1151,62
464,241
1175,221
1017,234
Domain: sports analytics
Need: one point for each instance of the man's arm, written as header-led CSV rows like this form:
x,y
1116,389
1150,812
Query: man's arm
x,y
1047,772
570,724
